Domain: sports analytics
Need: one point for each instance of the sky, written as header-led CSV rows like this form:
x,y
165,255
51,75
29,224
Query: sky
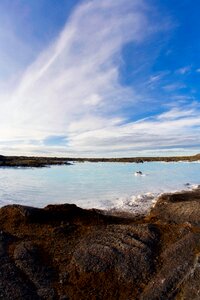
x,y
99,78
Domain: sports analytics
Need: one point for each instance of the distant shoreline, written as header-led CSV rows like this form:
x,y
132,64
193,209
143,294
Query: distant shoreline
x,y
34,161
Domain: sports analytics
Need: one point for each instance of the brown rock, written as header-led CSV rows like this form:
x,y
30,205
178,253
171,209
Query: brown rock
x,y
65,252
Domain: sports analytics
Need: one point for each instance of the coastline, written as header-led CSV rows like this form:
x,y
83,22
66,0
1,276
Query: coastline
x,y
66,252
91,185
34,161
152,197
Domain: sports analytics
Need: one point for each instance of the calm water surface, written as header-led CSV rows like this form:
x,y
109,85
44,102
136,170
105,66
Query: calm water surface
x,y
99,185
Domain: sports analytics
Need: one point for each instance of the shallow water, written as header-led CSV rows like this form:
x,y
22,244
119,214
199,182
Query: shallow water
x,y
98,185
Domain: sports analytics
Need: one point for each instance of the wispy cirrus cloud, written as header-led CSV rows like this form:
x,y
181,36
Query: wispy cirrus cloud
x,y
174,86
71,99
78,74
175,131
184,70
177,128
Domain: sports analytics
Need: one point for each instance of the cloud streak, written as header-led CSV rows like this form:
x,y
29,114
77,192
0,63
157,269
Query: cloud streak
x,y
177,128
77,76
71,100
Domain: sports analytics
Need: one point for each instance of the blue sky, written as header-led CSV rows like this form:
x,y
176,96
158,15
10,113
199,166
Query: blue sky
x,y
99,78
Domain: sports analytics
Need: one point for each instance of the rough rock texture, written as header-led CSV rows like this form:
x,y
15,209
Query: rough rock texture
x,y
179,208
65,252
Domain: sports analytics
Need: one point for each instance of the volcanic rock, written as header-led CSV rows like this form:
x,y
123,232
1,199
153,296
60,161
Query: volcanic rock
x,y
65,252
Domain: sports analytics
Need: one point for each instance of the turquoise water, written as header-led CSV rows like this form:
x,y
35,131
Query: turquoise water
x,y
98,185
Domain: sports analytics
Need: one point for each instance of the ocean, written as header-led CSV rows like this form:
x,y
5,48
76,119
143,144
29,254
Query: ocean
x,y
108,186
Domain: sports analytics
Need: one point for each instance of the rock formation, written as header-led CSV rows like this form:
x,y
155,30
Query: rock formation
x,y
65,252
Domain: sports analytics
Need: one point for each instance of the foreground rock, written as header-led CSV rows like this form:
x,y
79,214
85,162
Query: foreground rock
x,y
64,252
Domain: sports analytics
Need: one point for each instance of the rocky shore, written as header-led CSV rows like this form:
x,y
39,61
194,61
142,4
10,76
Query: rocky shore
x,y
31,162
65,252
34,161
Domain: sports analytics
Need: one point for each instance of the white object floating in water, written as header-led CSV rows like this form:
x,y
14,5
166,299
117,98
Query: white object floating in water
x,y
138,173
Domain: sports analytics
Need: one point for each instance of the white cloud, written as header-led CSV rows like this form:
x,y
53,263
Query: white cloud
x,y
157,77
184,70
175,128
177,113
173,131
174,86
78,74
73,89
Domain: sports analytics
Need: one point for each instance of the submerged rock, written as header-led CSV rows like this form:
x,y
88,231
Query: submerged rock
x,y
65,252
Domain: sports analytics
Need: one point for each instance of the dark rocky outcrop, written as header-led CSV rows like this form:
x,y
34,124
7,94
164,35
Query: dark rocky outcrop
x,y
2,158
179,208
31,162
65,252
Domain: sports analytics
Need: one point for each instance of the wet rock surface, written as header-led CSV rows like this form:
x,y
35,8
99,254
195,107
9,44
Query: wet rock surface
x,y
65,252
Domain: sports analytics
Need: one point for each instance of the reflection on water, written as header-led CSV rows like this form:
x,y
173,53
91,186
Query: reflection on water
x,y
100,185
